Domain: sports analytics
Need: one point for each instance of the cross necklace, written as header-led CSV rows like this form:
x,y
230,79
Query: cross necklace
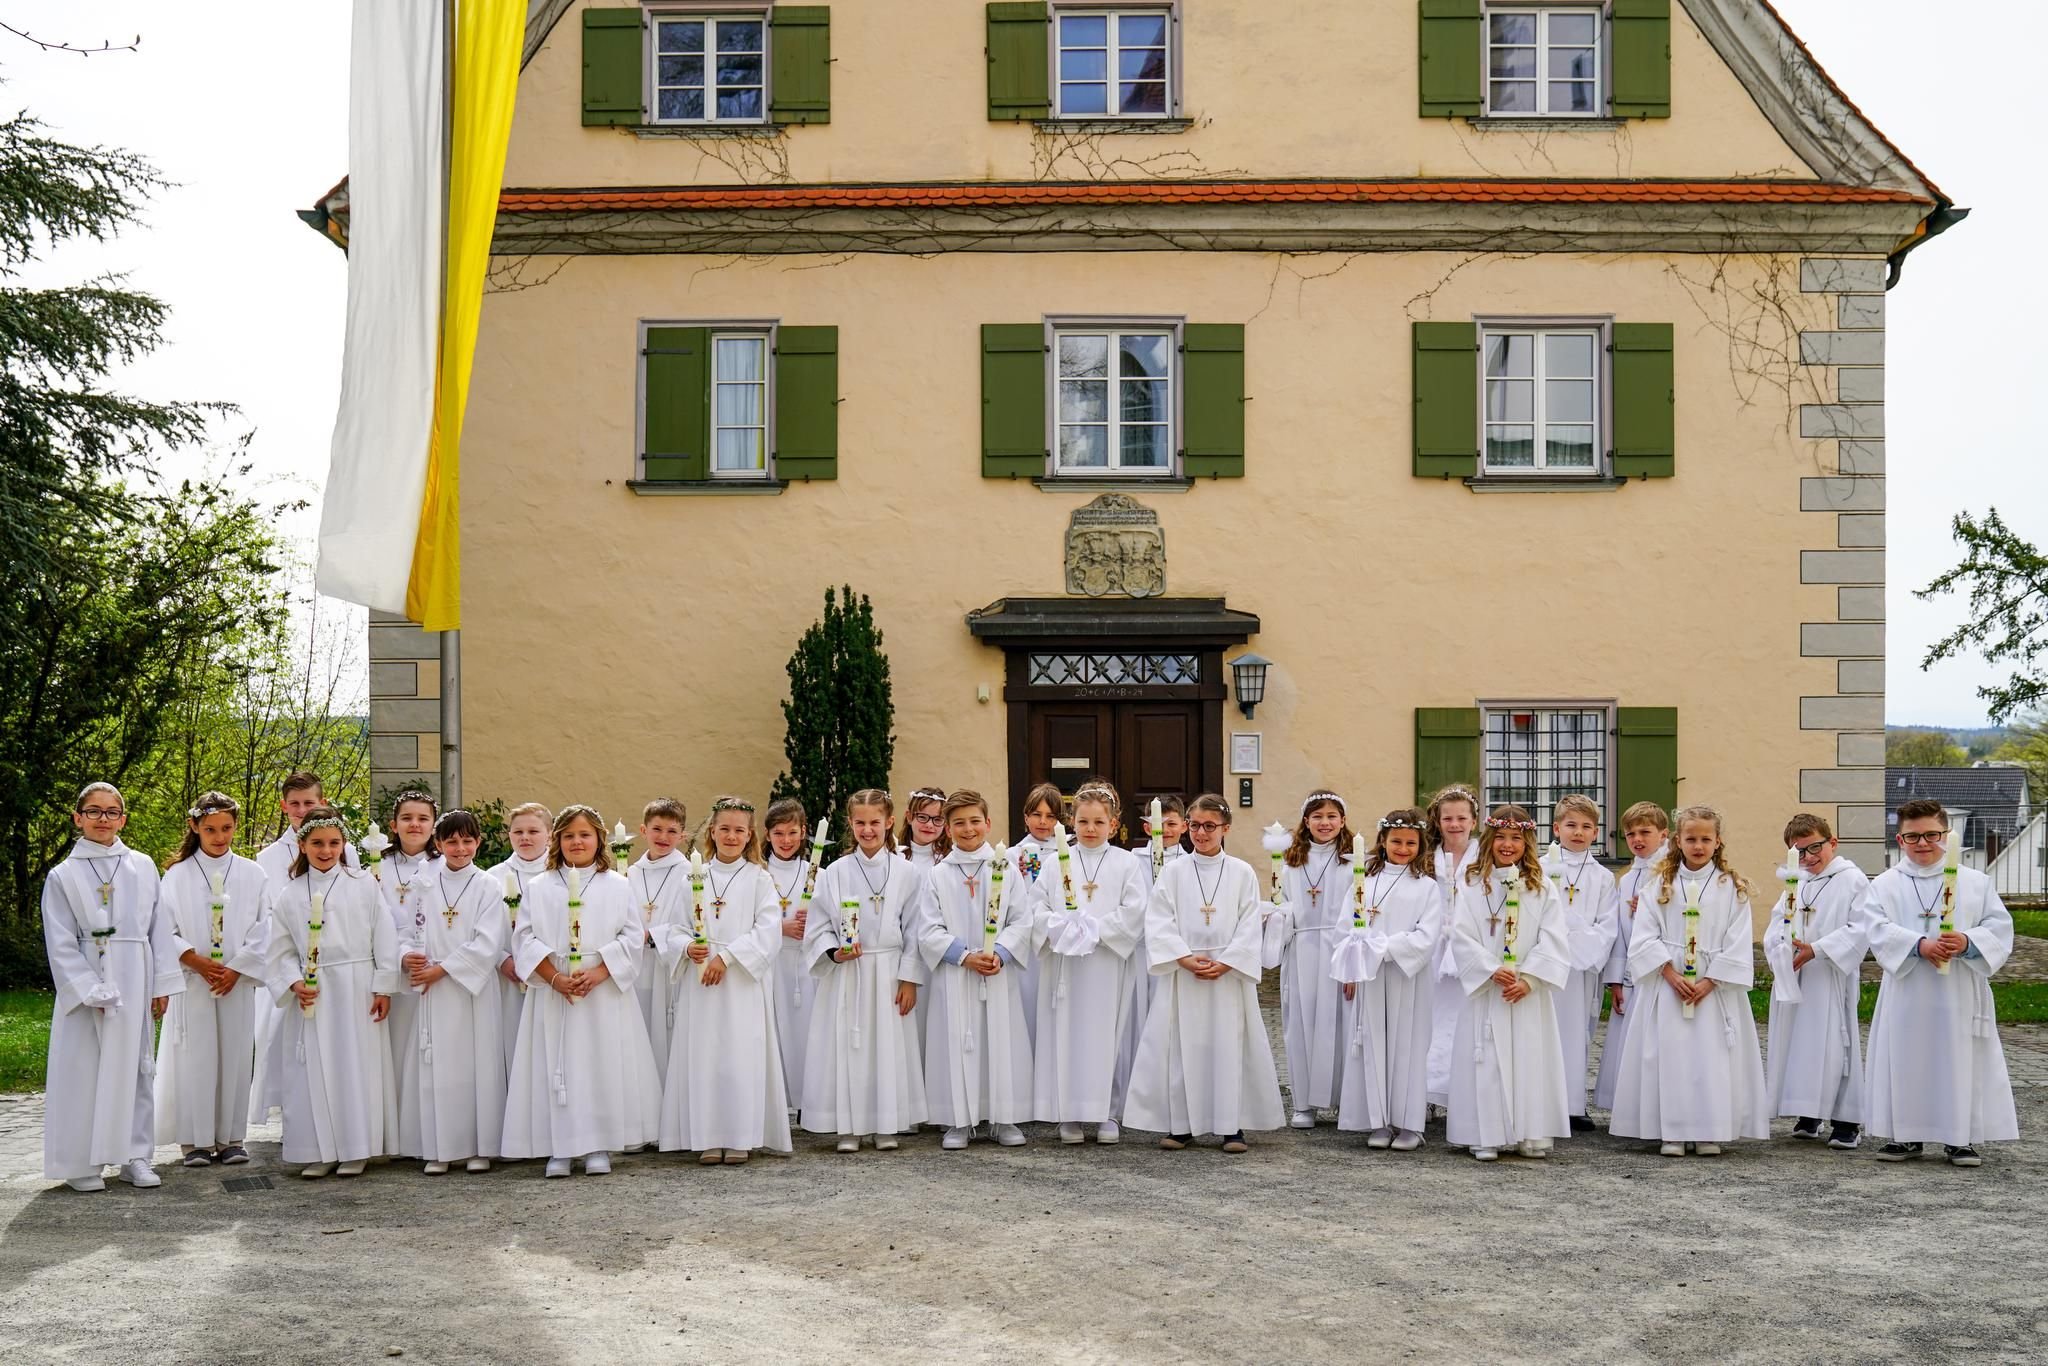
x,y
876,896
973,879
1315,884
1374,896
1493,912
106,881
1090,884
785,894
398,872
448,903
1571,889
718,892
1209,897
654,897
1928,915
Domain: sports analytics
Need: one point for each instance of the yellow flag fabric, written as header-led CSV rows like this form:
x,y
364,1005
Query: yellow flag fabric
x,y
488,35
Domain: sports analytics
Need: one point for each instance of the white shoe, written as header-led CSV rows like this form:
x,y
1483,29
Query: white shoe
x,y
558,1166
1303,1119
318,1170
477,1164
955,1139
1071,1133
1406,1141
1671,1150
1485,1154
1109,1132
630,1148
1534,1147
351,1168
1707,1149
137,1172
1009,1135
597,1164
1382,1137
436,1169
86,1183
885,1143
848,1144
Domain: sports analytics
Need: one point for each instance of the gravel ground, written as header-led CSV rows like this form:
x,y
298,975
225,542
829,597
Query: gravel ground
x,y
1307,1248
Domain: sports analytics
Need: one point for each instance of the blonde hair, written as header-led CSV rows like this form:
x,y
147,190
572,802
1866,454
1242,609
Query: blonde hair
x,y
547,817
1100,792
576,811
719,806
1645,813
872,796
1456,792
1529,868
667,807
1297,852
1577,802
1668,866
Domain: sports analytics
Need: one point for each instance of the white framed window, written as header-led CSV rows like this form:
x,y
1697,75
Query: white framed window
x,y
1542,406
739,405
1543,61
1112,63
1113,400
708,68
1533,753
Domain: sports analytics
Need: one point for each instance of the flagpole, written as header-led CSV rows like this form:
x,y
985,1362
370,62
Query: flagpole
x,y
451,641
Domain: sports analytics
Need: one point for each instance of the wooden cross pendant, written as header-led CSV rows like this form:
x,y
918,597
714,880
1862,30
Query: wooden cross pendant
x,y
785,905
1315,894
717,907
106,894
1208,914
876,899
1571,894
648,906
1372,915
1089,889
448,917
1492,922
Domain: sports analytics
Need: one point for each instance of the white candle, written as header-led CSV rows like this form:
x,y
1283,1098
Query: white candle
x,y
315,919
218,885
1062,853
1155,826
1951,863
697,896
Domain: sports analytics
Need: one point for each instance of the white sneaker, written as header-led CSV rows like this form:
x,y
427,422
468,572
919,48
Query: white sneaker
x,y
86,1183
136,1172
558,1166
597,1164
1707,1149
1535,1147
1303,1119
436,1169
318,1170
1485,1154
351,1168
1009,1135
1671,1150
848,1144
1406,1141
477,1164
955,1139
1109,1132
630,1148
1071,1133
1382,1137
885,1143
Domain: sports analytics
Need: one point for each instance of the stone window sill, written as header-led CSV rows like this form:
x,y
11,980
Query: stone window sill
x,y
1113,125
711,130
661,488
1088,484
1545,125
1499,483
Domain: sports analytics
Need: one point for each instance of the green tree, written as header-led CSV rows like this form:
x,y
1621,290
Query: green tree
x,y
2008,622
839,715
1923,749
2027,746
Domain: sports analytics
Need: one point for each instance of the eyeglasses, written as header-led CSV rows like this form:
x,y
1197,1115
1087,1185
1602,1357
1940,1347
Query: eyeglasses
x,y
926,820
101,813
1802,850
1923,837
1204,827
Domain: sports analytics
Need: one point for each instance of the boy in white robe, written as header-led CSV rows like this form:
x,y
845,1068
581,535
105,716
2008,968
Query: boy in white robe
x,y
206,1050
1396,911
1315,876
300,794
583,1082
660,885
725,1096
1937,1069
977,1054
1588,892
1205,1064
864,1073
794,860
113,963
1089,910
1510,945
1646,827
333,957
451,1084
1691,1073
1453,822
1814,943
526,826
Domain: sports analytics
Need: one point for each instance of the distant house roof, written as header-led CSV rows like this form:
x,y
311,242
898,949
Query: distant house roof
x,y
1995,795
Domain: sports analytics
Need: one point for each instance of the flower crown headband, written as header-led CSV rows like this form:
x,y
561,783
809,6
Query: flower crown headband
x,y
1401,823
926,794
322,823
732,804
1315,799
208,808
1508,823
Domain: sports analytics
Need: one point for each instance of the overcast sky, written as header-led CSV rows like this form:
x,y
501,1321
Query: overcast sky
x,y
244,104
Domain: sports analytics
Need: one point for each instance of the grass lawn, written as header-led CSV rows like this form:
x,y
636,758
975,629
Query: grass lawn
x,y
2016,1002
2031,923
24,1039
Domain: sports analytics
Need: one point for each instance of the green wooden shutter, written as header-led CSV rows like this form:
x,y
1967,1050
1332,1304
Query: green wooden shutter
x,y
677,362
1645,762
1640,87
1446,749
1446,379
1013,400
1212,382
1453,44
612,65
800,53
1645,422
1019,83
807,403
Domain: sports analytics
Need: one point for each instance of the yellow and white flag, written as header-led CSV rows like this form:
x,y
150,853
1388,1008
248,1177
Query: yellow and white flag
x,y
422,130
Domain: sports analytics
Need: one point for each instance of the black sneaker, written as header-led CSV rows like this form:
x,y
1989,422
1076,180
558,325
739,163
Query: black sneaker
x,y
1965,1156
1845,1136
1581,1124
1898,1152
1806,1128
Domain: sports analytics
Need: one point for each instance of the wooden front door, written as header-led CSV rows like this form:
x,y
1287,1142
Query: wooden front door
x,y
1144,749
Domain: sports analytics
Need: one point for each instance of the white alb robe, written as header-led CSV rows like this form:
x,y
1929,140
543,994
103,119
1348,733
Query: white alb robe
x,y
725,1087
1937,1069
451,1075
1142,984
1031,860
583,1078
108,961
1205,1064
1627,894
1084,973
863,1069
661,892
512,995
1387,1022
1508,1082
1699,1080
924,858
1449,996
1588,894
340,1092
266,1088
1312,1014
977,1050
206,1050
794,985
404,882
1814,1067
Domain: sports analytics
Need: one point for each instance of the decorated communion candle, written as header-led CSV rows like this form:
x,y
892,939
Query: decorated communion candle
x,y
999,862
1358,880
1950,863
1276,839
315,917
1064,854
622,845
1155,823
217,887
849,916
817,857
1692,942
1792,890
575,878
1511,949
697,896
373,846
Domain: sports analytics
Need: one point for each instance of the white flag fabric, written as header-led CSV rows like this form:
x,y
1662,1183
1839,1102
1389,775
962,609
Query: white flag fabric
x,y
377,465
